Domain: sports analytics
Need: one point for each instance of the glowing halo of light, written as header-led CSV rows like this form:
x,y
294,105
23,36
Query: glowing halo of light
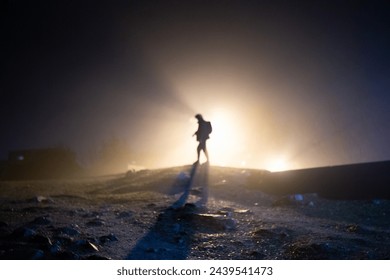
x,y
224,143
277,164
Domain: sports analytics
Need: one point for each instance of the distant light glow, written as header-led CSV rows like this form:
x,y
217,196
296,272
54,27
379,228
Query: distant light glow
x,y
224,139
277,164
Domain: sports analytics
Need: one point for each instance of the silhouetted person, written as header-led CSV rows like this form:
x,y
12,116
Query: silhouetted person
x,y
202,134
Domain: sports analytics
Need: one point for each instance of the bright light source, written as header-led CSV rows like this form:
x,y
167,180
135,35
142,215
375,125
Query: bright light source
x,y
223,145
278,164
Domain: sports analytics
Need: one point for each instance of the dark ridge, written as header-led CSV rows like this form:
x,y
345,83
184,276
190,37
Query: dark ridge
x,y
353,181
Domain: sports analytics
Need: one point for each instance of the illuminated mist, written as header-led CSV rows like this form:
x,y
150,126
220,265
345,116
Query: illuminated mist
x,y
277,99
284,87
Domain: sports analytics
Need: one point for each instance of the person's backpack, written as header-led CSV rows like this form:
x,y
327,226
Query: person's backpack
x,y
204,131
208,129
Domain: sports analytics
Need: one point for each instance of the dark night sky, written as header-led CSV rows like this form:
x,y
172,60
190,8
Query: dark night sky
x,y
304,83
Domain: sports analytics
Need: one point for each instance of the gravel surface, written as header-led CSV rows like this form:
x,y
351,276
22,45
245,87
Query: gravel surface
x,y
217,213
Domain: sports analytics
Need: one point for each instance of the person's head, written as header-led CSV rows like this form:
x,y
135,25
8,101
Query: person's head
x,y
199,117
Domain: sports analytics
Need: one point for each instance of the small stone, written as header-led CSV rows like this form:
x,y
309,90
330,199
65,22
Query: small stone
x,y
262,233
96,223
353,228
55,249
214,222
257,255
230,224
43,199
94,214
122,215
63,240
298,197
4,231
86,245
376,201
92,246
183,176
38,255
41,221
190,207
3,224
108,238
23,232
176,228
68,231
151,250
242,211
197,191
284,201
43,241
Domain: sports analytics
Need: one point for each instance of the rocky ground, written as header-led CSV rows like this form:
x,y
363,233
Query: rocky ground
x,y
144,215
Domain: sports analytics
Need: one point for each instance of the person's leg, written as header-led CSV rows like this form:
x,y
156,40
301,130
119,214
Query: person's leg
x,y
202,147
205,152
198,150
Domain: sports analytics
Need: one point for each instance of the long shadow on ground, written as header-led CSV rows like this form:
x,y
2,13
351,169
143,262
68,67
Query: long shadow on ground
x,y
171,236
